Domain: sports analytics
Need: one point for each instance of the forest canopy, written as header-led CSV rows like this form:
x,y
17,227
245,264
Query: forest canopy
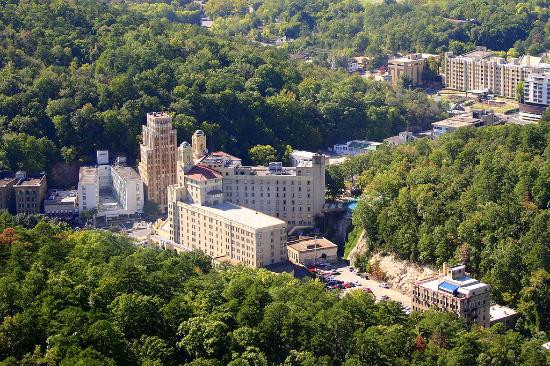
x,y
332,28
94,298
76,76
479,196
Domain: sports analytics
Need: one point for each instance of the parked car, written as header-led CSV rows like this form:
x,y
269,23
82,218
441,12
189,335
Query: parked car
x,y
351,269
367,290
383,285
384,298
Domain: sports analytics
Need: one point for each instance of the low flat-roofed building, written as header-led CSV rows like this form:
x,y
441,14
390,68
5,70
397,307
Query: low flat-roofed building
x,y
454,291
61,204
355,147
402,138
7,198
308,250
29,193
477,118
503,314
300,156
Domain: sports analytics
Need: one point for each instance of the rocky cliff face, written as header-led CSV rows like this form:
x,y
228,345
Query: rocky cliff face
x,y
400,274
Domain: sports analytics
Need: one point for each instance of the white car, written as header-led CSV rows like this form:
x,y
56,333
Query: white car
x,y
384,285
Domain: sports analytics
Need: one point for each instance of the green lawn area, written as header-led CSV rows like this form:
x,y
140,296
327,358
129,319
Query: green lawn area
x,y
510,105
351,240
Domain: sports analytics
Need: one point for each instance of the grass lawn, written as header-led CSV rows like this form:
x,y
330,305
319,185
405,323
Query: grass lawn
x,y
510,105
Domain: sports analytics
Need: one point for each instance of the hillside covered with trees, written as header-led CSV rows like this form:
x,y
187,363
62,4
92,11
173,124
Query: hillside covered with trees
x,y
93,298
477,196
76,76
331,28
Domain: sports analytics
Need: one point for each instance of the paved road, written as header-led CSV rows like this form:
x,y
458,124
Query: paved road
x,y
348,276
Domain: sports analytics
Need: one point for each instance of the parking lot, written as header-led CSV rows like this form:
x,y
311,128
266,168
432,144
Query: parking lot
x,y
346,275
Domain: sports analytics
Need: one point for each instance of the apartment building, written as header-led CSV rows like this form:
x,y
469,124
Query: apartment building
x,y
7,198
477,118
244,212
29,193
536,96
411,65
158,152
112,190
482,70
454,291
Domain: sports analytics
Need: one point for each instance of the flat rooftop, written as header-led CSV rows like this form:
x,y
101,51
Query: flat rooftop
x,y
457,121
463,288
125,172
5,181
361,144
303,154
61,197
497,312
309,244
242,215
88,175
478,54
29,182
404,60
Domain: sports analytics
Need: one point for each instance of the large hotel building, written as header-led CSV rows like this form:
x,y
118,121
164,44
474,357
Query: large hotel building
x,y
241,213
482,70
158,151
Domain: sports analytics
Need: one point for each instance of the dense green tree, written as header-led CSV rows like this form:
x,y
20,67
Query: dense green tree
x,y
263,154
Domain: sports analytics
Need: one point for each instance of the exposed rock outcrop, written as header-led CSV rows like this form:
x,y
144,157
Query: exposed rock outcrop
x,y
400,274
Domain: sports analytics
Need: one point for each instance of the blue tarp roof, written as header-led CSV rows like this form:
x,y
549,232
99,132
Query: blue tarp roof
x,y
448,287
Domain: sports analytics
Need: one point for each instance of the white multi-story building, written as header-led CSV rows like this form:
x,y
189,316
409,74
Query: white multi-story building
x,y
481,70
355,147
536,96
240,212
112,190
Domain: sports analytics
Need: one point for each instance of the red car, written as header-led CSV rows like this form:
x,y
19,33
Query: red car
x,y
367,290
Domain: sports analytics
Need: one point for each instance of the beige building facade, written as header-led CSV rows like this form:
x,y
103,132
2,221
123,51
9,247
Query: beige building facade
x,y
29,193
7,199
236,213
454,291
158,152
311,250
411,65
482,70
